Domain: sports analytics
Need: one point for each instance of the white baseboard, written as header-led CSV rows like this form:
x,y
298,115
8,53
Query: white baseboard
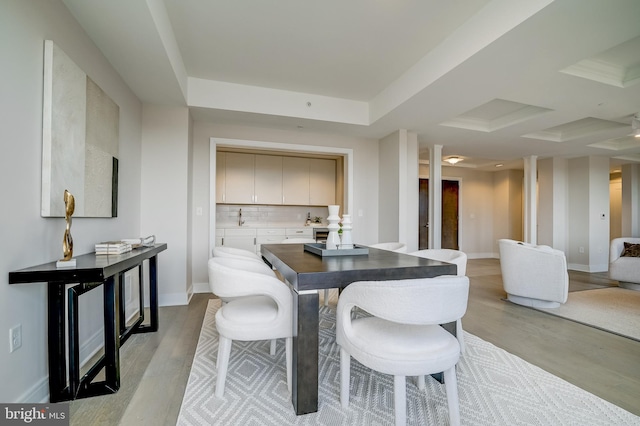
x,y
587,268
38,393
201,288
174,299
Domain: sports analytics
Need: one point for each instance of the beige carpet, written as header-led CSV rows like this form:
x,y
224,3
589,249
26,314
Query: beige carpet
x,y
614,309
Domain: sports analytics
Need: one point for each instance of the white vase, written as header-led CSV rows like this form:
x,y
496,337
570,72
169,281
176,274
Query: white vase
x,y
333,239
347,242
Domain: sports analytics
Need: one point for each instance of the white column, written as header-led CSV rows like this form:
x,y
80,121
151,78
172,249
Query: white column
x,y
435,197
530,206
631,200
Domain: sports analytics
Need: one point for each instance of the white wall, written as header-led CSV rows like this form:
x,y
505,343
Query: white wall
x,y
631,200
29,239
507,206
598,214
553,202
365,194
389,196
166,206
399,189
588,201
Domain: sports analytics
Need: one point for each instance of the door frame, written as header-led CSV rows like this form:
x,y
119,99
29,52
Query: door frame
x,y
460,202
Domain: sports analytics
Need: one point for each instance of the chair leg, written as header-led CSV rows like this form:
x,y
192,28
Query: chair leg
x,y
288,345
451,387
224,350
326,297
421,383
272,348
400,399
345,376
460,335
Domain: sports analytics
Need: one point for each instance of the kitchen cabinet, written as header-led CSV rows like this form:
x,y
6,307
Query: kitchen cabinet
x,y
242,238
295,181
269,236
243,178
220,177
306,232
268,179
239,178
322,182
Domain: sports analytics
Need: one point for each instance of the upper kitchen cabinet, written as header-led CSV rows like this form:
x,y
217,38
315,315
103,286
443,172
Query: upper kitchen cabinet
x,y
244,178
322,182
295,181
239,178
248,178
268,179
220,177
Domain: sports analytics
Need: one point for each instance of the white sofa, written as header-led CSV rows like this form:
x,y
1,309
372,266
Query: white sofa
x,y
533,275
625,270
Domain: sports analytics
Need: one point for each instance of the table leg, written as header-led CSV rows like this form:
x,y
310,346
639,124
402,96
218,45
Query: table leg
x,y
304,393
58,390
112,334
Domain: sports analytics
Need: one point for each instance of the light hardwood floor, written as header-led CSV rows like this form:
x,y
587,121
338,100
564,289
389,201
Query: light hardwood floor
x,y
155,366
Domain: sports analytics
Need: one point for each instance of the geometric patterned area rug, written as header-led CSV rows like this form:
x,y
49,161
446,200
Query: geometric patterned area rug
x,y
612,309
495,388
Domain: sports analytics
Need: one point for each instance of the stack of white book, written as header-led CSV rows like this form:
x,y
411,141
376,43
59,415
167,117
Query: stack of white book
x,y
113,247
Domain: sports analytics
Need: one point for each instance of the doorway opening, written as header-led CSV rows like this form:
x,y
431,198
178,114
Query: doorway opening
x,y
450,208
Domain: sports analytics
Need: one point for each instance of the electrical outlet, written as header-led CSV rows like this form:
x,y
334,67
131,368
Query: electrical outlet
x,y
15,337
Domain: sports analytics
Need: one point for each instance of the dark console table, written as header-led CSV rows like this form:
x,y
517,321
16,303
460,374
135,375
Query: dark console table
x,y
90,272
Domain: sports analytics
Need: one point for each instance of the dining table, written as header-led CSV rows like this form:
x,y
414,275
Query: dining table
x,y
307,272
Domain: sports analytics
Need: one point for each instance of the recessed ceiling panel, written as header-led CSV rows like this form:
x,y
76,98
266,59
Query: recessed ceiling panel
x,y
575,129
618,66
495,115
629,157
618,144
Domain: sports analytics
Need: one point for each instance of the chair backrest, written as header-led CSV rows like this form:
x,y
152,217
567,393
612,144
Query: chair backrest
x,y
298,241
617,246
223,251
391,246
456,257
234,277
436,300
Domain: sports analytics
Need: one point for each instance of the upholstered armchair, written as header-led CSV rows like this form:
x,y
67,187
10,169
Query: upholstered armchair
x,y
402,336
533,275
624,263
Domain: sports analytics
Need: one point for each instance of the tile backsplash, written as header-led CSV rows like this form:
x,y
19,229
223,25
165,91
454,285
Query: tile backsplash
x,y
262,215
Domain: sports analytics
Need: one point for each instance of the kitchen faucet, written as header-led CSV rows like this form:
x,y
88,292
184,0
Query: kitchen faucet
x,y
240,221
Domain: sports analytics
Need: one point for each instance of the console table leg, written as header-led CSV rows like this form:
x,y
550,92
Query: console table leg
x,y
112,333
57,352
153,293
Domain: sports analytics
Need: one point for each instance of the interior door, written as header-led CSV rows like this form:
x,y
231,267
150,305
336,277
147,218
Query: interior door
x,y
450,206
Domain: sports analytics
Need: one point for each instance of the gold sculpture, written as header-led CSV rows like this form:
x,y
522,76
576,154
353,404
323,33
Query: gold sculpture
x,y
67,242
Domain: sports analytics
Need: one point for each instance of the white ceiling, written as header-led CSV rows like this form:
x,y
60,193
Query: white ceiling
x,y
492,81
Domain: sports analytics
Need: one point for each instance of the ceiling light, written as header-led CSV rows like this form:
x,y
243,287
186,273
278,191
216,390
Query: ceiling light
x,y
453,160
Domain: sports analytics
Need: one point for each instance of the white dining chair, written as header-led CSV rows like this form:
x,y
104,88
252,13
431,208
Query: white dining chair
x,y
307,241
260,308
458,258
402,336
391,246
